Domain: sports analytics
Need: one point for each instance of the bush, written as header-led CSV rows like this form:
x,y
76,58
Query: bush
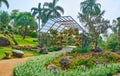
x,y
33,34
54,48
82,50
112,42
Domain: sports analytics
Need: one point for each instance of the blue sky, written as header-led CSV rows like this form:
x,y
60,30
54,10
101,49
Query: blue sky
x,y
71,7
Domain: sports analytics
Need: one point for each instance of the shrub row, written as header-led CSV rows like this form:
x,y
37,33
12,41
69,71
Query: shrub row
x,y
82,50
54,48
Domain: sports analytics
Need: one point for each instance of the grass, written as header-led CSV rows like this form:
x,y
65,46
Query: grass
x,y
27,41
36,67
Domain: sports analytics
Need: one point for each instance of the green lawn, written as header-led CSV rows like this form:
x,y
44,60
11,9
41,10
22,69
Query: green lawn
x,y
27,41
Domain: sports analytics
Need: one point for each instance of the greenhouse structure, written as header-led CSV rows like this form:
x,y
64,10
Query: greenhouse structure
x,y
60,24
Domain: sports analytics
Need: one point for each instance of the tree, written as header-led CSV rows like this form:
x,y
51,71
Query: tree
x,y
91,17
5,2
112,42
114,26
25,21
6,29
53,10
38,13
13,16
90,7
118,25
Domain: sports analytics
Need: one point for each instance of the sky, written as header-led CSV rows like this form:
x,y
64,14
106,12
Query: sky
x,y
71,7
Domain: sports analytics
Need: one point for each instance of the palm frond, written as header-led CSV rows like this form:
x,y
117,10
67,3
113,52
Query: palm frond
x,y
5,2
60,9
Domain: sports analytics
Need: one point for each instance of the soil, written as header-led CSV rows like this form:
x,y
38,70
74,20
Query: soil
x,y
6,66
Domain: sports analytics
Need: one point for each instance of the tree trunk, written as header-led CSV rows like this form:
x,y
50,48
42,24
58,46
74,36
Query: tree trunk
x,y
39,41
13,39
25,31
96,43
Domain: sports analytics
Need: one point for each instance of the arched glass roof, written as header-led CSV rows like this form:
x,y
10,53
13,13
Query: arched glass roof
x,y
60,23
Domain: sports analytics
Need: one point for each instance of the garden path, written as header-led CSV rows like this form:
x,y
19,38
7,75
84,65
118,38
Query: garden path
x,y
6,66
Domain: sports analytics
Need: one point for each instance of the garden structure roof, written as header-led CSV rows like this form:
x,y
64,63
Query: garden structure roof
x,y
60,23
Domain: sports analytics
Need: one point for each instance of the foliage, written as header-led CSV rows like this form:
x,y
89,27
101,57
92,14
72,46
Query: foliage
x,y
27,41
118,24
25,21
82,50
114,55
36,66
53,9
5,2
54,48
91,17
6,29
33,34
90,62
112,42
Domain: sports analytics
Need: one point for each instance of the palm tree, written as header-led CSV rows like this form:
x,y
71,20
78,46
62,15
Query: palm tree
x,y
118,19
92,17
38,13
25,21
90,7
53,9
5,2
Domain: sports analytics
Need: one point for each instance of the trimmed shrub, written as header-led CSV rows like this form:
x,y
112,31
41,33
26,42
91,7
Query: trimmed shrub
x,y
33,34
54,48
82,50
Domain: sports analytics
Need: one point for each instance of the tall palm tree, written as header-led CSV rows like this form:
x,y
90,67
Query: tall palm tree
x,y
118,19
38,13
53,9
5,2
92,17
90,7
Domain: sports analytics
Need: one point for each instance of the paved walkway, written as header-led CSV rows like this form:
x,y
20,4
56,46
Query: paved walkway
x,y
6,66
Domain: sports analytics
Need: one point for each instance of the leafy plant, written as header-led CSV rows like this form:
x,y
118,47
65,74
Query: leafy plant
x,y
36,67
33,34
54,48
82,50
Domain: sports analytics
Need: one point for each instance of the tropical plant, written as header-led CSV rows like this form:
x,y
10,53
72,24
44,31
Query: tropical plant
x,y
53,10
91,17
90,7
25,21
13,16
36,66
6,29
118,19
5,2
38,13
112,42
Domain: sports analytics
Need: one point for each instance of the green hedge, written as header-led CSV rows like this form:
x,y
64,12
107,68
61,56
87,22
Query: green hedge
x,y
82,50
54,48
33,34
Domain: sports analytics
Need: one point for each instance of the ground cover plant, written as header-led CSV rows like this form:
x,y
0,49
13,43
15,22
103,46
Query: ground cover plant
x,y
36,66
